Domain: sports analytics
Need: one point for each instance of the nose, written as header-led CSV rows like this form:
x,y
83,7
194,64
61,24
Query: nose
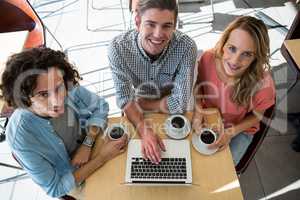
x,y
235,59
55,100
157,32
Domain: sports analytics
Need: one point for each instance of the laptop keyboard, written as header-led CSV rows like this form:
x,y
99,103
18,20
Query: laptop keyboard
x,y
168,168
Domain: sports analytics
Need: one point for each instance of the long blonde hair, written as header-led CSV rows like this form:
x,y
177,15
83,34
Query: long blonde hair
x,y
247,84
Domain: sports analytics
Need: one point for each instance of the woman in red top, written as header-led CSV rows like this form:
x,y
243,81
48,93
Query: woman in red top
x,y
234,77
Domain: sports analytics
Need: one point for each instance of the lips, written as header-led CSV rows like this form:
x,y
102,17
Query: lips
x,y
232,67
156,42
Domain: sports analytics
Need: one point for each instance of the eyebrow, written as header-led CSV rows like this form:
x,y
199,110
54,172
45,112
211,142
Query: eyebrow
x,y
154,22
247,51
46,91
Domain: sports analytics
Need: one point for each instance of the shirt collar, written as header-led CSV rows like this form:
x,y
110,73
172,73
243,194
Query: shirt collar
x,y
162,55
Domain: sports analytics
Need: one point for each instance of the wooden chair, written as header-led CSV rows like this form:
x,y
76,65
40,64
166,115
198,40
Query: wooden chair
x,y
256,142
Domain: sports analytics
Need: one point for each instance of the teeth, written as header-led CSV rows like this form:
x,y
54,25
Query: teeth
x,y
232,67
156,42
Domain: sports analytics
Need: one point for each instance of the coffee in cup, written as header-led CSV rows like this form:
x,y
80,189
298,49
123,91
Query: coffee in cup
x,y
202,140
177,122
177,126
207,137
116,131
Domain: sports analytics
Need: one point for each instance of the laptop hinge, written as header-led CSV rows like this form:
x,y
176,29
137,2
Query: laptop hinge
x,y
162,182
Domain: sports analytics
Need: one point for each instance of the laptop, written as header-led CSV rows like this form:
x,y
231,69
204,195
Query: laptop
x,y
175,167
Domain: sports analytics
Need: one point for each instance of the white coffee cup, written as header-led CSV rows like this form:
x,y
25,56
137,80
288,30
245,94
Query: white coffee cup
x,y
116,131
177,126
202,140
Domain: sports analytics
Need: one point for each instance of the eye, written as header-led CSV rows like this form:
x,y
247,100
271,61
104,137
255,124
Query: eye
x,y
150,25
43,94
232,49
167,26
247,54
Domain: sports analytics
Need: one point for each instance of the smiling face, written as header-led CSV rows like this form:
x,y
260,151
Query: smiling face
x,y
156,28
238,53
49,94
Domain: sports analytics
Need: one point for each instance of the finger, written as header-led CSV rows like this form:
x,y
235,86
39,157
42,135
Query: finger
x,y
156,153
222,147
215,145
144,153
148,154
161,144
153,155
122,150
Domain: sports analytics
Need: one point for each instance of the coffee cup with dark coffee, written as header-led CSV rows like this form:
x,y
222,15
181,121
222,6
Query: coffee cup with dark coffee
x,y
116,131
202,140
177,126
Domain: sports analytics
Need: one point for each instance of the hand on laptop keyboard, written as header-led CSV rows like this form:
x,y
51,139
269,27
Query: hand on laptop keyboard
x,y
152,145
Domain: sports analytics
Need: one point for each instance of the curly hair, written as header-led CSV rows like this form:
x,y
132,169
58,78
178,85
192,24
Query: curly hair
x,y
247,84
19,78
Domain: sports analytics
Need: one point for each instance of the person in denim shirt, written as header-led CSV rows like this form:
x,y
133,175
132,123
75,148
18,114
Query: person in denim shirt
x,y
43,88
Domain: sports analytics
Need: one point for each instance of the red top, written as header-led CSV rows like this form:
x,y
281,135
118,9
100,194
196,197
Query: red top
x,y
217,94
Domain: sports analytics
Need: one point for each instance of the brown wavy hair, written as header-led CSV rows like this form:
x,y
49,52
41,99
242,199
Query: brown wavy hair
x,y
247,84
170,5
22,70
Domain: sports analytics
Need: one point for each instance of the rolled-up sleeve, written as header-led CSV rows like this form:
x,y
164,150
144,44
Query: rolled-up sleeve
x,y
183,82
92,109
122,82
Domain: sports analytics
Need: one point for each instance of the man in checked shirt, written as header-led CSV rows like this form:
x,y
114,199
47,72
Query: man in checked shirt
x,y
152,68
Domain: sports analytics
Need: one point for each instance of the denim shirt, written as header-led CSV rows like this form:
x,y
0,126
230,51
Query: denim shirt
x,y
41,152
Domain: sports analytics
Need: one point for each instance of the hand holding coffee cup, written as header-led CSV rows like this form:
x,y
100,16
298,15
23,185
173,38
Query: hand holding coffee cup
x,y
177,126
202,141
116,131
224,139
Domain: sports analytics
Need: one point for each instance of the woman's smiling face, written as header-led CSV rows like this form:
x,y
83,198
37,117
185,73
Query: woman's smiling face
x,y
238,53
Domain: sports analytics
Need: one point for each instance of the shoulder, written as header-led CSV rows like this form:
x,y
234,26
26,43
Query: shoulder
x,y
22,126
208,55
267,82
182,39
266,95
124,40
22,116
207,59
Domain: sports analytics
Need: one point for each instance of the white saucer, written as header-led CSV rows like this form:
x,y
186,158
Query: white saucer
x,y
185,130
201,147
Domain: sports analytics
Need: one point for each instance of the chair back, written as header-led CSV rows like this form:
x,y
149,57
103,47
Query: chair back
x,y
256,141
18,15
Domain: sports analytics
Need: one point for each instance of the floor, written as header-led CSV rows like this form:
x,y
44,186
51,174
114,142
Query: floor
x,y
83,29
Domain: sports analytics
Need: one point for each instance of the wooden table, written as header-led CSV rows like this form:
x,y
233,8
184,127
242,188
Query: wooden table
x,y
214,176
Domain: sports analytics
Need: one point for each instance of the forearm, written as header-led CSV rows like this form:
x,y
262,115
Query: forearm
x,y
86,170
94,131
248,122
135,116
159,105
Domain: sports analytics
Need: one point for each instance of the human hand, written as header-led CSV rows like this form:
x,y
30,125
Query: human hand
x,y
112,148
197,122
81,156
224,138
152,145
